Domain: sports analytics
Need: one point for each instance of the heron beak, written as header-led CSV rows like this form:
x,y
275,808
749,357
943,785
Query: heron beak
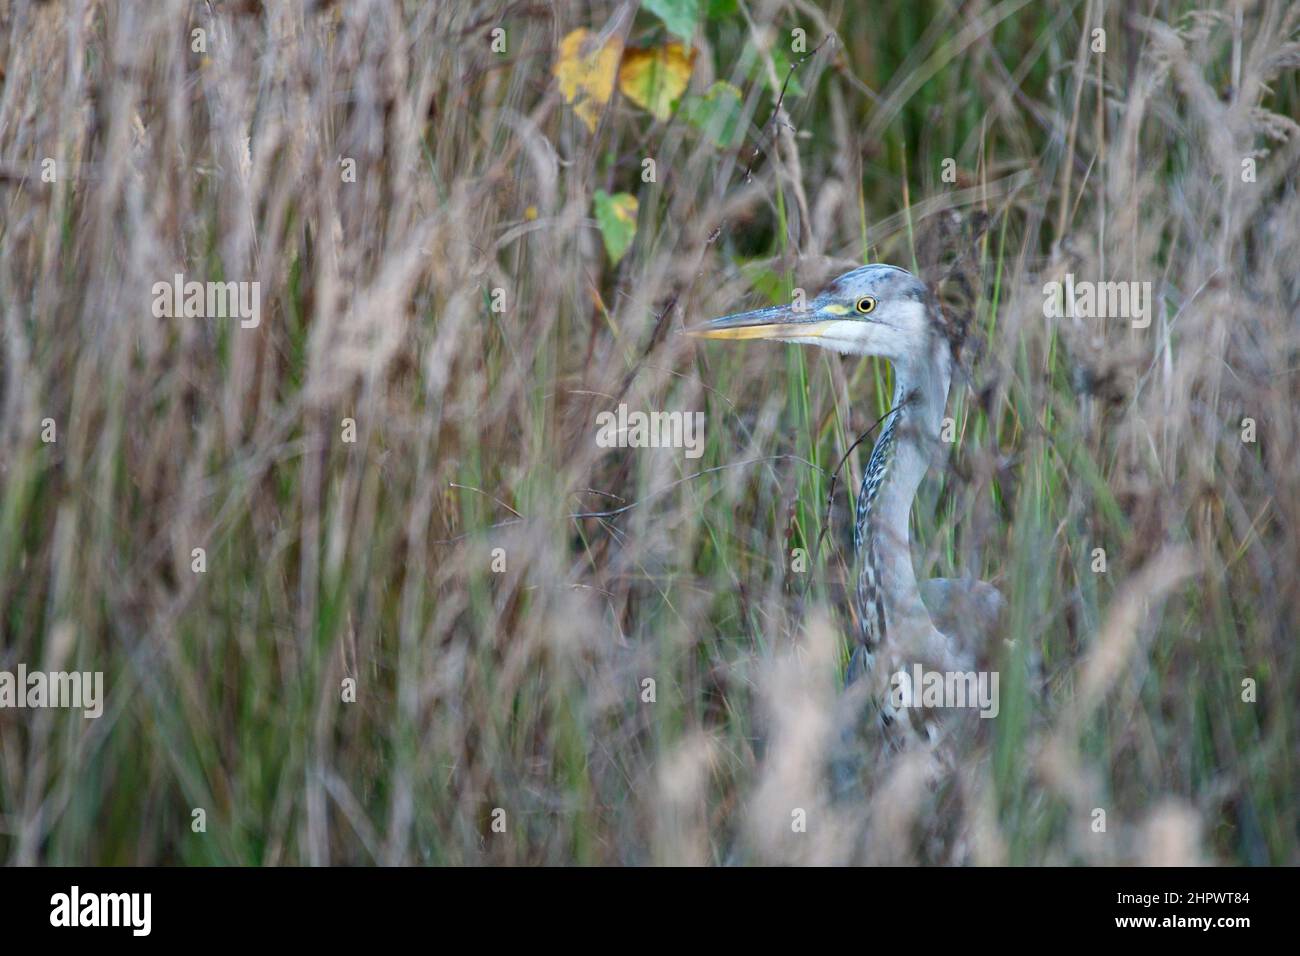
x,y
776,322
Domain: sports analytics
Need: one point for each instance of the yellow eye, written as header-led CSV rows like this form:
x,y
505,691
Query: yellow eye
x,y
867,304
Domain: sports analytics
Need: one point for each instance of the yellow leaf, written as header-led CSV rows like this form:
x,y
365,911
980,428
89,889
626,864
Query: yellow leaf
x,y
586,77
654,79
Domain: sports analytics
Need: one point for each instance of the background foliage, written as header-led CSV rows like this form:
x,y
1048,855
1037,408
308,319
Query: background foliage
x,y
480,170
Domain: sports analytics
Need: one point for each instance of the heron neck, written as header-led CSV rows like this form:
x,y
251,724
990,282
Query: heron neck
x,y
889,597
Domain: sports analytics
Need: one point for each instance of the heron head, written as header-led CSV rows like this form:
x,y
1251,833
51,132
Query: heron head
x,y
877,310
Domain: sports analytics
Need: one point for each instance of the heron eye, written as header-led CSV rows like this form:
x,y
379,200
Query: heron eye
x,y
867,304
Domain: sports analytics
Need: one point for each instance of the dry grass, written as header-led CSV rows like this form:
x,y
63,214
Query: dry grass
x,y
522,690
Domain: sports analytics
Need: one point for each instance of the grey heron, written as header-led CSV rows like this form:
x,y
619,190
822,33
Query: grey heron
x,y
941,624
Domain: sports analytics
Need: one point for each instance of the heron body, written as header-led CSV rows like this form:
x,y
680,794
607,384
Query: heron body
x,y
882,310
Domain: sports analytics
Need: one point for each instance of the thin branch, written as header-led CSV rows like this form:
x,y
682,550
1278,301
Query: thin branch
x,y
699,474
830,497
628,507
776,110
480,491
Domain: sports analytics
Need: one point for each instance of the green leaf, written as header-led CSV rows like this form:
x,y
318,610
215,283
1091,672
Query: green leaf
x,y
766,283
782,64
679,16
755,67
721,9
718,114
616,217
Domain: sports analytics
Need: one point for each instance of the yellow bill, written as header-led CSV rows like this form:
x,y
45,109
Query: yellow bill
x,y
774,323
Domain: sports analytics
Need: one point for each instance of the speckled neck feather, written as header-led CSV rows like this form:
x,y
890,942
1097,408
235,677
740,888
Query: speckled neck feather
x,y
887,594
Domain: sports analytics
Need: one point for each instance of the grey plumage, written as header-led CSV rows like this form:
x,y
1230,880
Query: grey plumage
x,y
944,624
